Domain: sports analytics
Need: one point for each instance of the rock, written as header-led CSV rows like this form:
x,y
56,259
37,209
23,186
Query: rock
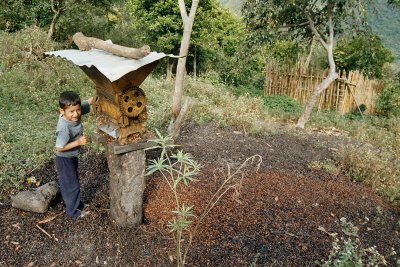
x,y
36,200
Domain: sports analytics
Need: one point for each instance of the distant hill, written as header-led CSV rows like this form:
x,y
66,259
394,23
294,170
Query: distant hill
x,y
386,23
234,5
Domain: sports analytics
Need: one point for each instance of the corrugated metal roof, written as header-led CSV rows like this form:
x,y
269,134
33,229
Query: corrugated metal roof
x,y
111,66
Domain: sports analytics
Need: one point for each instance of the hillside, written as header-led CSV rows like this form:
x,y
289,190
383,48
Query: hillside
x,y
386,23
234,5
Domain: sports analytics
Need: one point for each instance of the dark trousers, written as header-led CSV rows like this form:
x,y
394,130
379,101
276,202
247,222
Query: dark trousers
x,y
67,170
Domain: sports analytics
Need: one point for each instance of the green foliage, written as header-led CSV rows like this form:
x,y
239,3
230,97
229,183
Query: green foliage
x,y
354,54
159,22
87,16
234,6
265,19
356,114
348,250
282,104
23,47
217,41
16,15
285,51
388,103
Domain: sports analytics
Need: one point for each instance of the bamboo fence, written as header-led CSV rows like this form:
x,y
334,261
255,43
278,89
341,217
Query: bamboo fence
x,y
346,94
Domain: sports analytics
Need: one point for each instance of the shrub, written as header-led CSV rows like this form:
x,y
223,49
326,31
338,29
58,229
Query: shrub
x,y
24,46
353,54
282,103
388,103
283,107
378,168
348,250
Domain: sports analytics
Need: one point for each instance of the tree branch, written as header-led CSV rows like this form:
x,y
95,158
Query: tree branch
x,y
182,8
294,25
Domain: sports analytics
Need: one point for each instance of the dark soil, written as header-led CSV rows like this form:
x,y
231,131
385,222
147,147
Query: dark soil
x,y
270,216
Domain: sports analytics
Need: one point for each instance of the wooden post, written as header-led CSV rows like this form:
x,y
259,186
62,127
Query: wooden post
x,y
127,184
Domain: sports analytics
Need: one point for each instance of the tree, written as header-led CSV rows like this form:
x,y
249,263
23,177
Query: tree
x,y
305,19
353,54
88,16
16,15
161,24
68,8
177,111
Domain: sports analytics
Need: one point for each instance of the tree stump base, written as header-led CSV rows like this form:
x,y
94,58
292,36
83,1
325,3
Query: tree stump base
x,y
127,184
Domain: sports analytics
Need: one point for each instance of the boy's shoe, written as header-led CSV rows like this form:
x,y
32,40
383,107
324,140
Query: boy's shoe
x,y
84,213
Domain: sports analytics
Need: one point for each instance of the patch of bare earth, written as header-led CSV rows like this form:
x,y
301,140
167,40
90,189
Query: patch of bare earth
x,y
270,216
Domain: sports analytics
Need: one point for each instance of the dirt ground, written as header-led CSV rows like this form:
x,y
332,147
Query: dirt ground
x,y
271,217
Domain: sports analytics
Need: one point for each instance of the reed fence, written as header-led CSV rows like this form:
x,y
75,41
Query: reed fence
x,y
348,93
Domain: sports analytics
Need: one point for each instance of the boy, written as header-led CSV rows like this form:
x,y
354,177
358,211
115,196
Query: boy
x,y
69,139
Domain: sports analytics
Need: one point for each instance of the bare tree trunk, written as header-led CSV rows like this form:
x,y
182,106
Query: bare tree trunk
x,y
181,67
332,76
57,10
195,65
312,47
170,66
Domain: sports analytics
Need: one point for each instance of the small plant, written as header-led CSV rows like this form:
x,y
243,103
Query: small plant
x,y
348,250
176,168
318,145
378,218
254,262
326,165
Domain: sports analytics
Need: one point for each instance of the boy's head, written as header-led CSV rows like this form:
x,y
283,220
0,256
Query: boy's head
x,y
70,106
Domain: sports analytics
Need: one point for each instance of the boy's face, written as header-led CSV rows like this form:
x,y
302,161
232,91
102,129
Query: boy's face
x,y
71,113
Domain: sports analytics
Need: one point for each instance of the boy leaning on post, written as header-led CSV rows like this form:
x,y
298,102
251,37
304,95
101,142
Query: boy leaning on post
x,y
69,139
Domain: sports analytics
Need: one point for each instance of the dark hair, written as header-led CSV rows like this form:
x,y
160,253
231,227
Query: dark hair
x,y
69,98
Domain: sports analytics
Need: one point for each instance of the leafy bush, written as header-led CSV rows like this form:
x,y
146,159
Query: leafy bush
x,y
25,46
282,103
388,103
379,169
353,54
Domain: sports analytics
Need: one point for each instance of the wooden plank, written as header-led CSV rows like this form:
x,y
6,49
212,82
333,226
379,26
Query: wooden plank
x,y
120,149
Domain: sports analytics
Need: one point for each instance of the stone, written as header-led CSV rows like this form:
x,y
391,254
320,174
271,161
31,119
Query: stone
x,y
36,200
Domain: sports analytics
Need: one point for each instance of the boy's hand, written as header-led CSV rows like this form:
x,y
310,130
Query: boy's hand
x,y
90,100
82,141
